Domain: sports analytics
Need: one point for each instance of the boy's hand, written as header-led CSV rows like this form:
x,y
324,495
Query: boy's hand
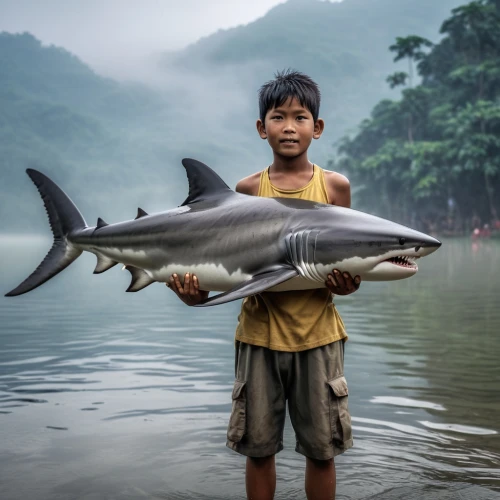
x,y
342,283
190,293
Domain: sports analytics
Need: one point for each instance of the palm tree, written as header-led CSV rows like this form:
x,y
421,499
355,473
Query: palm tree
x,y
473,29
397,79
410,47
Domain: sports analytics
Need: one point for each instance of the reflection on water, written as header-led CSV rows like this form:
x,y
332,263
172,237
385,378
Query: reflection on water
x,y
111,395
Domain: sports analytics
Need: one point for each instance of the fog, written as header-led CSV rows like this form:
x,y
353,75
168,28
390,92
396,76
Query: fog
x,y
124,143
122,38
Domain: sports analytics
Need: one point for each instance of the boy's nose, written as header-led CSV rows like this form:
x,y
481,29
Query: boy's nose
x,y
289,127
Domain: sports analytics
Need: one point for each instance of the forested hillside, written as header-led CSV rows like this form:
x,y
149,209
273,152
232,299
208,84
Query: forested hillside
x,y
94,135
433,157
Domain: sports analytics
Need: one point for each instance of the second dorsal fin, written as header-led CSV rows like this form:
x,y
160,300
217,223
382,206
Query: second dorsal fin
x,y
101,223
140,213
203,182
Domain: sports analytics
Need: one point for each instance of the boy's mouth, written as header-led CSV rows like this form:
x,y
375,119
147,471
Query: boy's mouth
x,y
288,141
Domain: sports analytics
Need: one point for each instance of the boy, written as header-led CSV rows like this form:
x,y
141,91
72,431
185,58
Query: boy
x,y
289,345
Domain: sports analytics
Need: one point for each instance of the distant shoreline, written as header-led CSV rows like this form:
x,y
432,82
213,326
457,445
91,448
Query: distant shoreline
x,y
24,236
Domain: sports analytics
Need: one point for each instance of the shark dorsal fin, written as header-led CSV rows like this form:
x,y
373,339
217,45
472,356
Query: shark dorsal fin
x,y
140,213
101,223
203,182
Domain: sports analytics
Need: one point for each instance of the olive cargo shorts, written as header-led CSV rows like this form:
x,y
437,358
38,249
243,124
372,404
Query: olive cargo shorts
x,y
312,381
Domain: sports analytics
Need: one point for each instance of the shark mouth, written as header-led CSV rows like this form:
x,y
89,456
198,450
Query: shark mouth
x,y
403,261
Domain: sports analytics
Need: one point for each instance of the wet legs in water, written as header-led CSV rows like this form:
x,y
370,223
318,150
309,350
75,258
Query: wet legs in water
x,y
261,479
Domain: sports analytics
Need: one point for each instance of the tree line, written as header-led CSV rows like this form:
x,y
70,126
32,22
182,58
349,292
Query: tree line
x,y
432,158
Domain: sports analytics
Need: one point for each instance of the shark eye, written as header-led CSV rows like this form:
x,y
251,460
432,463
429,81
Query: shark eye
x,y
402,241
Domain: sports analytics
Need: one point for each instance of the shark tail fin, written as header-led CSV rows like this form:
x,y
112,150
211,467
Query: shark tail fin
x,y
64,219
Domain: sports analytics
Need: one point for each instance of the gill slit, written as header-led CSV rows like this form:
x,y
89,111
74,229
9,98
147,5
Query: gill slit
x,y
297,245
316,274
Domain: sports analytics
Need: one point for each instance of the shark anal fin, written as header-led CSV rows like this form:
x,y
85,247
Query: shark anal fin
x,y
140,213
101,223
103,264
140,279
257,284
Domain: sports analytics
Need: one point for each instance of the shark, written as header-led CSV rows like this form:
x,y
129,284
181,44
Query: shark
x,y
236,244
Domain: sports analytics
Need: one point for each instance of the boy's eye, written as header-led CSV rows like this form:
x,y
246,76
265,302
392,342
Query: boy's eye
x,y
276,117
301,118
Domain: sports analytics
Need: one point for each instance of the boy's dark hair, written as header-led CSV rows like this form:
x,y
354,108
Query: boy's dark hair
x,y
286,84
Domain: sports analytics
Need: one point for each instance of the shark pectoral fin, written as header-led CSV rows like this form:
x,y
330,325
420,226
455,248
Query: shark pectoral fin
x,y
140,279
257,284
103,263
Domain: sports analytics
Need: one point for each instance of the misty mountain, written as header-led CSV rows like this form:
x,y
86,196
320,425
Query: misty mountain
x,y
113,146
53,74
90,133
343,46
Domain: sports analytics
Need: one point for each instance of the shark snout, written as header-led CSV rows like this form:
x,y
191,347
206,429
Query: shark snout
x,y
428,246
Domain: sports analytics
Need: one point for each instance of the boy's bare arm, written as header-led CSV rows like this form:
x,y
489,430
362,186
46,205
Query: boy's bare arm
x,y
249,185
339,193
338,189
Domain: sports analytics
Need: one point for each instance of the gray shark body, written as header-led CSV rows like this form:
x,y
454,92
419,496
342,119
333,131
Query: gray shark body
x,y
236,244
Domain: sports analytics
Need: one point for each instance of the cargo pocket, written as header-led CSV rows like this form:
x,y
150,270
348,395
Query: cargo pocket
x,y
340,420
236,427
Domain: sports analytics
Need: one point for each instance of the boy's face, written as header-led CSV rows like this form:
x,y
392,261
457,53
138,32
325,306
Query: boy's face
x,y
290,128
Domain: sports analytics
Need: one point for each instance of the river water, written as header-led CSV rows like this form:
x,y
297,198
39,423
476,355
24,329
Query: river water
x,y
108,395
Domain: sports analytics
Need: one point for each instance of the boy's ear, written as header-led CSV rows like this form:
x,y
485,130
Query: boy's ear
x,y
261,129
319,126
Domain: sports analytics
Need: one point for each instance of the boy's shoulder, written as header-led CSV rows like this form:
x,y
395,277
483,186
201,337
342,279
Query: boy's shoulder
x,y
338,188
336,179
249,185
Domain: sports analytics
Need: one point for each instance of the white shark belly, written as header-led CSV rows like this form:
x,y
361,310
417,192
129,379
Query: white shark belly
x,y
211,276
136,258
216,278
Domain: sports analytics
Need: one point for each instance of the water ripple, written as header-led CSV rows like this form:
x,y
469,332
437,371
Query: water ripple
x,y
141,386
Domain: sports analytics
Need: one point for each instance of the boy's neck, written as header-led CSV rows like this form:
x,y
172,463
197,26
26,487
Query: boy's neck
x,y
295,165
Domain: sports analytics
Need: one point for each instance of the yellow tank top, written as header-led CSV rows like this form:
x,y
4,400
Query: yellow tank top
x,y
299,319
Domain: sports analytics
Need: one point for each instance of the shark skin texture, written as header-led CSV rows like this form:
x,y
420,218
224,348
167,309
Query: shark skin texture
x,y
236,244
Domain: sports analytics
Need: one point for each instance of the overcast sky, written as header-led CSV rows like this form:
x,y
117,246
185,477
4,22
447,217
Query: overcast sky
x,y
112,35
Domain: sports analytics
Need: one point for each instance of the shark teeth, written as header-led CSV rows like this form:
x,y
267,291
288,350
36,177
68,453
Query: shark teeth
x,y
403,261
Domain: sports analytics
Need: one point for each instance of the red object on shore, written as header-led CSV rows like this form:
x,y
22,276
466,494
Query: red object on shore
x,y
484,232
